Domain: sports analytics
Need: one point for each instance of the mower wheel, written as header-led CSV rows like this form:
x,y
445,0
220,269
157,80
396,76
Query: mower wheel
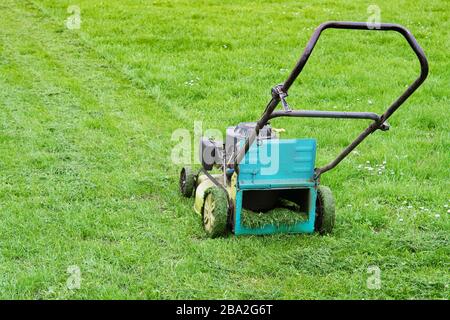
x,y
215,211
325,211
187,182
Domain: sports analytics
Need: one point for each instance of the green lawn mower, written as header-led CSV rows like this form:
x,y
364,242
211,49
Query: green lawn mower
x,y
269,185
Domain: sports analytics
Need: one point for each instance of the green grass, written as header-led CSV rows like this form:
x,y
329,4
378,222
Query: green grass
x,y
276,217
86,118
283,215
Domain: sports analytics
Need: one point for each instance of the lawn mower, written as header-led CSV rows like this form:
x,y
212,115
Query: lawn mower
x,y
267,185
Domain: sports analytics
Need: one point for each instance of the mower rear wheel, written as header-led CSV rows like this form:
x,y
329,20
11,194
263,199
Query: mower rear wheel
x,y
187,182
215,212
325,211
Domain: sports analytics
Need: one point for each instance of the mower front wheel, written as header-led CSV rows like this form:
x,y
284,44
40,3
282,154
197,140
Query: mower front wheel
x,y
215,212
325,211
187,182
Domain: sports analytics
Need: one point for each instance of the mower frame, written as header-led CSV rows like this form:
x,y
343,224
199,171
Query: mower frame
x,y
298,174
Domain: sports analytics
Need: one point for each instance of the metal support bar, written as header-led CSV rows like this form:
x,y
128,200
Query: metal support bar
x,y
325,114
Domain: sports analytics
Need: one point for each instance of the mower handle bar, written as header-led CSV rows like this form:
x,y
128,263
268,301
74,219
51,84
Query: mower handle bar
x,y
379,121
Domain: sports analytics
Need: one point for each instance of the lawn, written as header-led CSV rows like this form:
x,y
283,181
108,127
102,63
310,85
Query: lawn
x,y
86,122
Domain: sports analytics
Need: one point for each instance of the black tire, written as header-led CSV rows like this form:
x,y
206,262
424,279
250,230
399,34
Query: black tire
x,y
325,211
215,212
187,182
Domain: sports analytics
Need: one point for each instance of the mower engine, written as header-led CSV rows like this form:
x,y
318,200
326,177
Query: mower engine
x,y
215,153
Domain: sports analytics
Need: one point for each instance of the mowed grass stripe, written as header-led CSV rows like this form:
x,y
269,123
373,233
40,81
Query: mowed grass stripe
x,y
85,162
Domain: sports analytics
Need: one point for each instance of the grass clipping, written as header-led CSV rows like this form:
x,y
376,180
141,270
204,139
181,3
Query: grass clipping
x,y
286,213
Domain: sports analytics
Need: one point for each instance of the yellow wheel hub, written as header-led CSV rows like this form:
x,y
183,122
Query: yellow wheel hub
x,y
208,212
